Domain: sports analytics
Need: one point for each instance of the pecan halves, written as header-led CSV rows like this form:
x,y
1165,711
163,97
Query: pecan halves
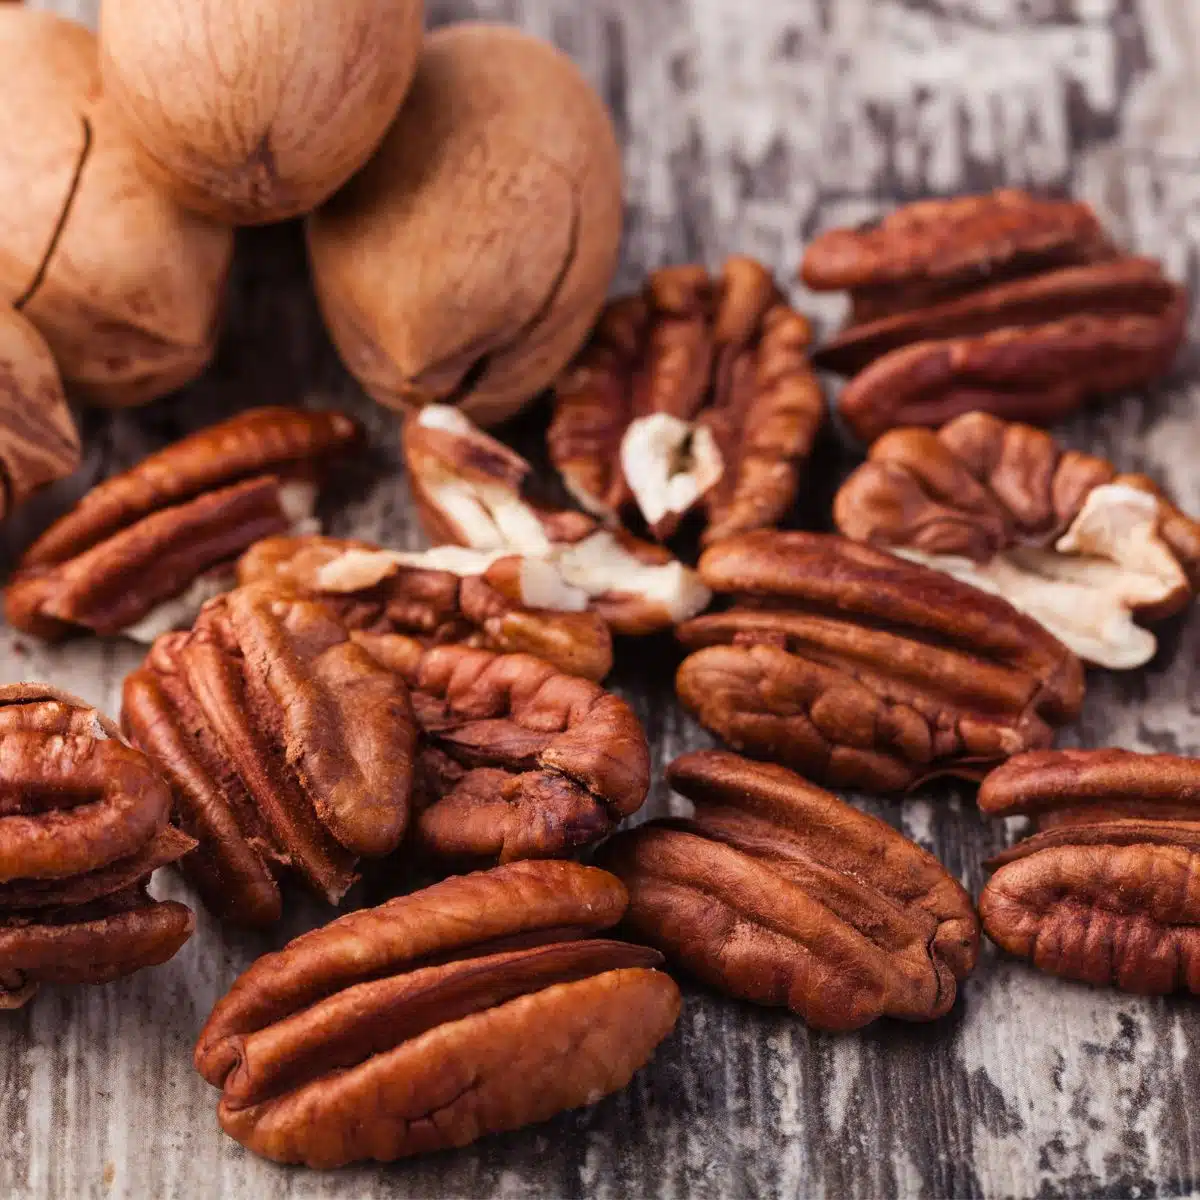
x,y
778,892
1002,303
142,551
479,1005
1059,534
695,394
1106,890
83,825
861,669
287,748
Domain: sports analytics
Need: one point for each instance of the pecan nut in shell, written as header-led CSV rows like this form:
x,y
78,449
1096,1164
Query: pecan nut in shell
x,y
862,670
83,825
778,892
479,1005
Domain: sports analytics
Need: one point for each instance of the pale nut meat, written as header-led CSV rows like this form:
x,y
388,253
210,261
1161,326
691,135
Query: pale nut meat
x,y
468,260
479,1005
696,394
1089,553
125,286
142,551
248,111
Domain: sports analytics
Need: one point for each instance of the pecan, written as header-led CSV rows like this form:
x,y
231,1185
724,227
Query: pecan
x,y
1106,890
479,1005
142,551
498,602
287,747
696,394
83,825
1003,303
1058,534
861,669
778,892
470,490
516,760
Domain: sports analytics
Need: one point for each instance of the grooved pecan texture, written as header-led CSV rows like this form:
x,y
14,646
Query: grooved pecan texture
x,y
778,892
863,670
83,825
479,1005
141,552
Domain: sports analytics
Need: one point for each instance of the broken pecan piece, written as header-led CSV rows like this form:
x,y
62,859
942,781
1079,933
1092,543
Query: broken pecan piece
x,y
287,748
1057,533
1003,303
476,1006
696,394
83,825
141,552
1106,891
863,670
778,892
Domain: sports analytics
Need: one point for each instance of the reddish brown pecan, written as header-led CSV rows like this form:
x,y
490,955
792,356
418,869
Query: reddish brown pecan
x,y
1106,890
695,394
1059,534
479,1005
286,745
778,892
143,550
861,669
83,825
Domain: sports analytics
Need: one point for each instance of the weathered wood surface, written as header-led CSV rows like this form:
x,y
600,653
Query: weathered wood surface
x,y
747,126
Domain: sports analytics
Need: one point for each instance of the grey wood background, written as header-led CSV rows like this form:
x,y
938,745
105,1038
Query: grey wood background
x,y
748,125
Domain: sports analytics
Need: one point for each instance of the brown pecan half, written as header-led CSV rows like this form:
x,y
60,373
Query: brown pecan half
x,y
141,552
504,603
287,748
778,892
1106,890
863,670
695,394
83,825
1003,303
470,491
516,759
1058,534
479,1005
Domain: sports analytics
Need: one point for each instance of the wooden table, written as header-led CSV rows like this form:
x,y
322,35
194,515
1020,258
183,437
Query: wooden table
x,y
748,125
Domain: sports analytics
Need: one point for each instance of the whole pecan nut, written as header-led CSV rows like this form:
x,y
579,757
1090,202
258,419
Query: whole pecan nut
x,y
505,603
1003,303
287,748
1106,890
83,825
863,670
1057,533
695,394
778,892
479,1005
141,552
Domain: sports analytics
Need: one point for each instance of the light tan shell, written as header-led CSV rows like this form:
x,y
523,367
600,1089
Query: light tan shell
x,y
123,285
256,110
466,263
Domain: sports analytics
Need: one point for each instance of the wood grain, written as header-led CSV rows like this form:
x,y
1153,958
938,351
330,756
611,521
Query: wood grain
x,y
746,126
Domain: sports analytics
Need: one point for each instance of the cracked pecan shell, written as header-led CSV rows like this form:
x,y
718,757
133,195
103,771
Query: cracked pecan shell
x,y
476,1006
287,748
862,670
83,825
140,553
696,394
778,892
1105,891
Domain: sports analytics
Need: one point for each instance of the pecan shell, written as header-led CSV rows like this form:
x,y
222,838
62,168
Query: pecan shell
x,y
170,529
863,670
478,1005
